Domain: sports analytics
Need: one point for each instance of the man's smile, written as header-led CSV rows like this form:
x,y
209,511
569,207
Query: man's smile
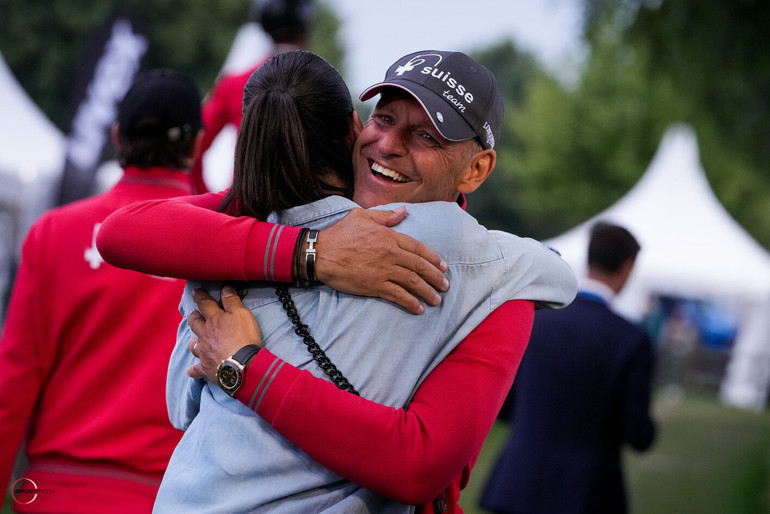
x,y
393,175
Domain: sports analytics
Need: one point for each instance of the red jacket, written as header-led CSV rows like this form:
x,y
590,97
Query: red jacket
x,y
223,106
83,360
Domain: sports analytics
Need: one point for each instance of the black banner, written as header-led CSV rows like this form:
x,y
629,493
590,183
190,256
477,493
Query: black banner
x,y
108,72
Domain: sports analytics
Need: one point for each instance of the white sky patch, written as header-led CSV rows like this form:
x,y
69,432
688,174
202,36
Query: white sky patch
x,y
375,34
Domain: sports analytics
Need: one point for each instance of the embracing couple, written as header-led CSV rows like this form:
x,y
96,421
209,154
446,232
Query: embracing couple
x,y
266,428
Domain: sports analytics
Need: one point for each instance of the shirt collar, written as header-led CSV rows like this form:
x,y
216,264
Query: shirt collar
x,y
594,288
327,207
157,176
324,208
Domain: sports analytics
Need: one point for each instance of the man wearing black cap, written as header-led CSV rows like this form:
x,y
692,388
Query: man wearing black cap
x,y
77,352
433,132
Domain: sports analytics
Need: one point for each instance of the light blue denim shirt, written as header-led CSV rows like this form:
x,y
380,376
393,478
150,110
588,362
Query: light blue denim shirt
x,y
230,460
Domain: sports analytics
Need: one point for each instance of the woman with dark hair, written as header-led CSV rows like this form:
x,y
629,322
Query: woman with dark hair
x,y
296,137
293,151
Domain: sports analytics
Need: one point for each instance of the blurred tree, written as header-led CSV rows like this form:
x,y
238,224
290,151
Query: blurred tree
x,y
325,38
705,61
714,54
567,153
44,42
495,203
584,148
570,151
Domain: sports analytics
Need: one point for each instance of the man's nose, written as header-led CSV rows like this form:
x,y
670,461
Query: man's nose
x,y
392,142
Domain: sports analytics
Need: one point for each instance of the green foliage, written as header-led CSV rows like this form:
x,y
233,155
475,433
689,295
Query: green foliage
x,y
711,52
324,39
569,152
587,147
495,204
44,42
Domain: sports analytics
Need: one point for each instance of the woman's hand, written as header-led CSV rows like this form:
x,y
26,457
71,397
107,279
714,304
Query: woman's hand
x,y
220,332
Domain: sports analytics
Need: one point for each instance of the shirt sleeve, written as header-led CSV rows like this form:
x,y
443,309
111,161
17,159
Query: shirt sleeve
x,y
22,368
412,454
159,236
638,425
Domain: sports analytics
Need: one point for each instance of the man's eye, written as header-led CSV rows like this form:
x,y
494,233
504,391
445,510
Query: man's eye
x,y
383,118
429,138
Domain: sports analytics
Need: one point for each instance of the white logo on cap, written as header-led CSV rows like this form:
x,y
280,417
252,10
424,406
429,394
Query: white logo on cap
x,y
490,136
416,61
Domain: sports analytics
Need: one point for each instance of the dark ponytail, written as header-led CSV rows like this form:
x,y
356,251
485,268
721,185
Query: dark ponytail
x,y
295,133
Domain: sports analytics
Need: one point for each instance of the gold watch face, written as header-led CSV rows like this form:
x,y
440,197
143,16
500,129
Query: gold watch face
x,y
228,377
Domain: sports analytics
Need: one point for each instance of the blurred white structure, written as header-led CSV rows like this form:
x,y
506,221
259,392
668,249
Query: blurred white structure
x,y
31,162
691,248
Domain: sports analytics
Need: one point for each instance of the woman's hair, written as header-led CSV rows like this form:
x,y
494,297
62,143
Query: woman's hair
x,y
295,133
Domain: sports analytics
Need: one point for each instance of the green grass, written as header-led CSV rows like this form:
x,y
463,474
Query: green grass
x,y
708,459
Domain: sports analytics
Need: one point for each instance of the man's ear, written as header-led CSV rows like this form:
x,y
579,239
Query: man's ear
x,y
479,168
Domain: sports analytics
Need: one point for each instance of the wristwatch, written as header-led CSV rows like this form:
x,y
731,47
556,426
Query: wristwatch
x,y
230,370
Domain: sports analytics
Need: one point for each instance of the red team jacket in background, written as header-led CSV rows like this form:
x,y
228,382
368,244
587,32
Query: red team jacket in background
x,y
83,360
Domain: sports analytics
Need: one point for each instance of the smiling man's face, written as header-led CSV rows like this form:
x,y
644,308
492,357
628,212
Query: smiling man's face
x,y
401,157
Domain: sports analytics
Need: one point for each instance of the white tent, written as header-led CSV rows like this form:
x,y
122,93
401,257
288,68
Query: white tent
x,y
32,146
31,160
691,247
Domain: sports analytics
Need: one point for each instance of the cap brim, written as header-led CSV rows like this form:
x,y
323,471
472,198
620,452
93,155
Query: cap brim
x,y
447,121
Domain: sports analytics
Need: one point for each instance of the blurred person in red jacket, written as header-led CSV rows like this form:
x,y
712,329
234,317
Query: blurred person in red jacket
x,y
78,355
288,24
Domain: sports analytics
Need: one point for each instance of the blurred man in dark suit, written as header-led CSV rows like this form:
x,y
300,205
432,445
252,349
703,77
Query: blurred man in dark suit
x,y
582,392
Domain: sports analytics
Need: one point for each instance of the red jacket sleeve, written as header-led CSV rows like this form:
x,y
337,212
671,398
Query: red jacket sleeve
x,y
158,237
411,454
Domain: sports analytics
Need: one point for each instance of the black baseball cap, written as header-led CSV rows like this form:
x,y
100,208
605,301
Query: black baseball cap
x,y
161,104
460,95
284,19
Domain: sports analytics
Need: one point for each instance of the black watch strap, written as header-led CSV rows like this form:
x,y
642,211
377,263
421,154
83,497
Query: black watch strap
x,y
243,355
